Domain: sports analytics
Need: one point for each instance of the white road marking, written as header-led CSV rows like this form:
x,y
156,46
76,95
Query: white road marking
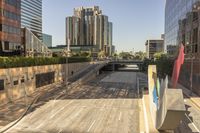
x,y
145,116
78,113
32,114
60,109
120,114
123,101
39,125
91,126
52,105
192,123
57,112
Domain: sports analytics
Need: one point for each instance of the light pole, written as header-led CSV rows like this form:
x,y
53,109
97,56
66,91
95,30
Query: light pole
x,y
67,62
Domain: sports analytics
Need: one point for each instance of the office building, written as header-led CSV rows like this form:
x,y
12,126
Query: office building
x,y
182,26
154,46
172,50
88,29
10,38
175,12
31,16
33,46
47,40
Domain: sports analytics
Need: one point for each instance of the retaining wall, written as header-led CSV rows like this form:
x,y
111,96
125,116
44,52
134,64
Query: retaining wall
x,y
16,83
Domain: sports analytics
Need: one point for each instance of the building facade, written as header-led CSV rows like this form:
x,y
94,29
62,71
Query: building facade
x,y
10,38
172,50
47,40
31,16
153,47
33,46
175,11
182,25
89,28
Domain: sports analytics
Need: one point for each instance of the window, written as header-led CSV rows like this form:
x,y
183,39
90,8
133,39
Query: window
x,y
15,82
13,3
10,15
22,80
1,84
195,35
6,45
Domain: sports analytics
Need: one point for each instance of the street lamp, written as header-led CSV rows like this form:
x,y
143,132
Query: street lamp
x,y
67,62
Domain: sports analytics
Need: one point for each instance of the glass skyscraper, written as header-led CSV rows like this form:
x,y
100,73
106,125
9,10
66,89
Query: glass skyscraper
x,y
175,12
47,39
31,16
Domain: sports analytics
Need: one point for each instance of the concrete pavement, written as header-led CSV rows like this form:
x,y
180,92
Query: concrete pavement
x,y
193,97
191,122
12,111
90,115
102,105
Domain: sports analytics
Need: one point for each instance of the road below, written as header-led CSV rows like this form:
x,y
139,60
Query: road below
x,y
107,104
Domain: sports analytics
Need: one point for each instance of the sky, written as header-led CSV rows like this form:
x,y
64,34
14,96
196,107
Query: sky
x,y
134,21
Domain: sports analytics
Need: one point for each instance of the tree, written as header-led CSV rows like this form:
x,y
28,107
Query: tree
x,y
101,54
140,55
125,55
162,61
159,55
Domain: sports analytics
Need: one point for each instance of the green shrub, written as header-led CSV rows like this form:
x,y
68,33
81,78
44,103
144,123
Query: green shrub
x,y
163,64
10,62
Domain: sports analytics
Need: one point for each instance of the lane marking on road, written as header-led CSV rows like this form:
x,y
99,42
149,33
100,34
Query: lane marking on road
x,y
195,105
193,102
123,101
32,114
77,113
91,126
57,112
41,124
120,114
145,116
60,109
192,123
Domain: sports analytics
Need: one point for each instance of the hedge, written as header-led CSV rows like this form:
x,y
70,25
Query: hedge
x,y
11,62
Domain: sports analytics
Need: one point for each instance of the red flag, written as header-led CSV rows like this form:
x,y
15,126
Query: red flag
x,y
177,66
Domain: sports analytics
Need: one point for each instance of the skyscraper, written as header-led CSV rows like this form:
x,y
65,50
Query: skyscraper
x,y
10,38
31,16
110,32
182,19
88,27
47,40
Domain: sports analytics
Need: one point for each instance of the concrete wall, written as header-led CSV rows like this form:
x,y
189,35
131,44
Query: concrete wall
x,y
19,82
185,72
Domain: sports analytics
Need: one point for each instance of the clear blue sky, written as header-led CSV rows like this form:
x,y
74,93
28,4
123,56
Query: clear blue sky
x,y
134,21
